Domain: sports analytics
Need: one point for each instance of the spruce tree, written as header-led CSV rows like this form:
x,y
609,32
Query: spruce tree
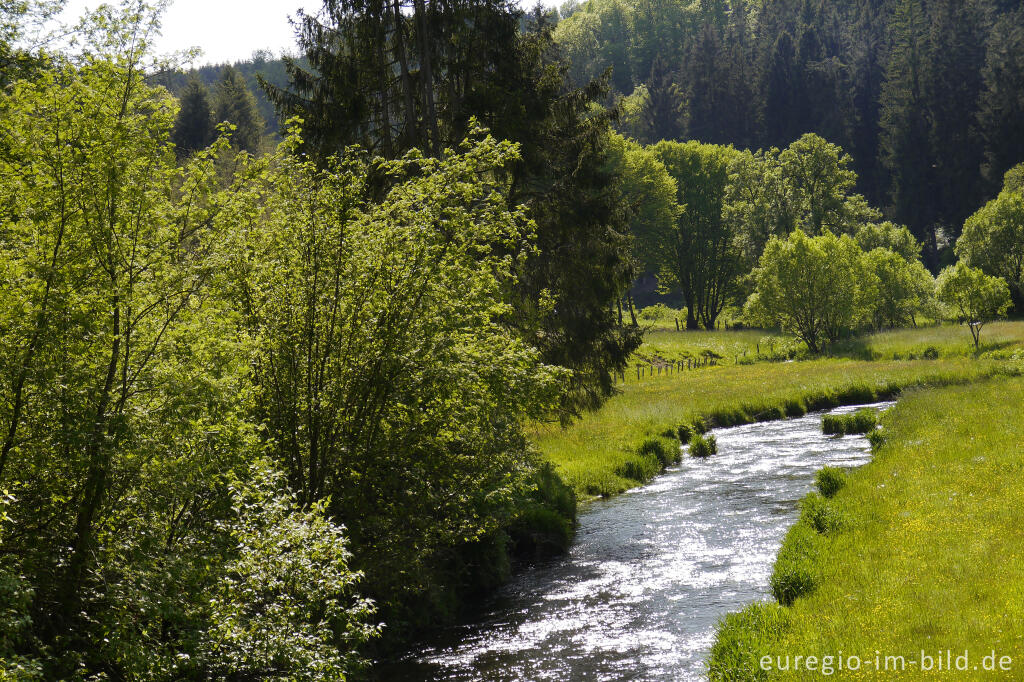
x,y
194,128
1001,104
235,104
906,129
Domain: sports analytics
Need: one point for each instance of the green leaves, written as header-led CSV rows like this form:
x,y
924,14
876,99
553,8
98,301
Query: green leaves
x,y
973,296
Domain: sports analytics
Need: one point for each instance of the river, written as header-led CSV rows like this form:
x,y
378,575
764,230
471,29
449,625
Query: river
x,y
651,571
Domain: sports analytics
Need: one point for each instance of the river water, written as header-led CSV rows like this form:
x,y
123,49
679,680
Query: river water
x,y
651,571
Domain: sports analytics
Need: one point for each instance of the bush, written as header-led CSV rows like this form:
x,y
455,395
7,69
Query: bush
x,y
538,532
861,421
742,639
830,480
703,446
795,572
930,353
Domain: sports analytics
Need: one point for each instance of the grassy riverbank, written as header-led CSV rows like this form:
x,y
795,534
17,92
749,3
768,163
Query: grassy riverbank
x,y
617,447
924,549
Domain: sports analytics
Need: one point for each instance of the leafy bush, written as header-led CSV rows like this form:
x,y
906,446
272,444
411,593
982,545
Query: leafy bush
x,y
703,446
830,480
742,639
286,602
795,572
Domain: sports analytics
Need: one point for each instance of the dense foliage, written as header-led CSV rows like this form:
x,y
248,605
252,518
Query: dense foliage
x,y
898,83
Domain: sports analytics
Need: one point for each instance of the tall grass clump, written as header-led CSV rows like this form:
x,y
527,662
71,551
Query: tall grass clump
x,y
830,480
703,446
743,638
796,568
861,421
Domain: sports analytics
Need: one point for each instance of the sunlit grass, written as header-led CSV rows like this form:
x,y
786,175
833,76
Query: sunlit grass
x,y
931,555
588,453
947,340
727,347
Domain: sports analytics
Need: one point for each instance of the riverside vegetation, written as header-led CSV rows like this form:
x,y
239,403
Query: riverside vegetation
x,y
273,405
919,550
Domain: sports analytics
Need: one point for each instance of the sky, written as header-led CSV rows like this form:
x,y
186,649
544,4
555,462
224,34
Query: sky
x,y
225,30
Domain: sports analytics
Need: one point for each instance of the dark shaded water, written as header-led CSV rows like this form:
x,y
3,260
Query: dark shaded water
x,y
651,571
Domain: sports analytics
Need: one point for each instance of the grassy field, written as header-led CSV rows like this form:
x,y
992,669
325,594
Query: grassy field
x,y
998,339
619,446
924,550
727,347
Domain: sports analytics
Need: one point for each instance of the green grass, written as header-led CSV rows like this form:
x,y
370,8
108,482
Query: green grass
x,y
927,552
590,455
998,339
727,347
861,421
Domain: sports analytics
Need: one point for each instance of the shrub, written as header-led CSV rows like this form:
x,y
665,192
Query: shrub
x,y
742,639
685,431
830,480
539,532
703,446
931,353
795,573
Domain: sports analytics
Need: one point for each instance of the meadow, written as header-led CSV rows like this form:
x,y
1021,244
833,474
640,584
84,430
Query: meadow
x,y
923,551
620,445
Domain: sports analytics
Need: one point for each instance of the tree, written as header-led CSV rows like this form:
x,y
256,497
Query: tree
x,y
1001,105
887,235
904,288
974,297
194,128
993,240
822,182
516,84
388,378
759,201
906,129
816,287
235,104
285,602
704,257
23,32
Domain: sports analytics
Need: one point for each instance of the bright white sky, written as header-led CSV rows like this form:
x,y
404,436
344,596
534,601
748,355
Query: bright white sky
x,y
225,30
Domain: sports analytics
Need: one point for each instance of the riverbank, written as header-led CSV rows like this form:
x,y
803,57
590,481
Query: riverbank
x,y
635,434
924,552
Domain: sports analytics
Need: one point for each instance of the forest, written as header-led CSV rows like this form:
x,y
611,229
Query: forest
x,y
294,350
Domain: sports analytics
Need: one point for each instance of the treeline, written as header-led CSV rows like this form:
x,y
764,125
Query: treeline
x,y
924,94
231,93
254,405
784,236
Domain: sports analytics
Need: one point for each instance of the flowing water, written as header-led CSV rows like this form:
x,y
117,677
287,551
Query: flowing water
x,y
651,571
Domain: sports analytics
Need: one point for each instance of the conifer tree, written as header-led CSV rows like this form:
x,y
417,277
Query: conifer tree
x,y
1001,104
236,104
193,128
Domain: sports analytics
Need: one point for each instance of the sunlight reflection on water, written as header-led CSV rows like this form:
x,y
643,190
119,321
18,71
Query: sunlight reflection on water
x,y
651,571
